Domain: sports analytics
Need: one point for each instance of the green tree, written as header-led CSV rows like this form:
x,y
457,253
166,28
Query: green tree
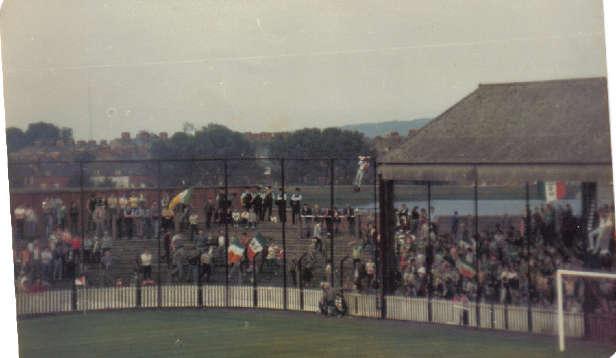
x,y
344,145
15,139
42,131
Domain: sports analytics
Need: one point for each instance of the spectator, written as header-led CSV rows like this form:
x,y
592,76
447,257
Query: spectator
x,y
146,264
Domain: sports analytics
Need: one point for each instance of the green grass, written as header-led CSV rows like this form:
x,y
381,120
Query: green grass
x,y
236,333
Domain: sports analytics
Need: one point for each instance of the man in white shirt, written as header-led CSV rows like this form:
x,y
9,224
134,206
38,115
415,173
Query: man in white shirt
x,y
146,264
296,199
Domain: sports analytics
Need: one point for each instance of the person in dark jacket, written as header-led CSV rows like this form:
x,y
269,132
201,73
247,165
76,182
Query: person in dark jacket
x,y
268,202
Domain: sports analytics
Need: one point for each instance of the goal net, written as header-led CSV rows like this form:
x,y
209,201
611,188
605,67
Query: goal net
x,y
590,292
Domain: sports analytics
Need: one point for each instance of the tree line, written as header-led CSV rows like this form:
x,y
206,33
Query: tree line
x,y
218,141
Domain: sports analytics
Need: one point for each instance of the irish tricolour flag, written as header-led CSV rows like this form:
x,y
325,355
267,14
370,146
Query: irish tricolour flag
x,y
181,198
467,270
235,253
554,190
256,245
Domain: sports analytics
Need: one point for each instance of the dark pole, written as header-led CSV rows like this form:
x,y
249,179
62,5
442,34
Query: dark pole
x,y
284,237
429,253
226,233
528,276
376,219
160,216
74,296
342,271
254,282
331,212
381,240
301,282
477,243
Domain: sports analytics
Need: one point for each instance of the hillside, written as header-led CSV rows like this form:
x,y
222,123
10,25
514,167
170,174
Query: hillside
x,y
374,129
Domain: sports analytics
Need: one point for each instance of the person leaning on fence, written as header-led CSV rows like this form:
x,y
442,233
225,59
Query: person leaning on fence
x,y
327,303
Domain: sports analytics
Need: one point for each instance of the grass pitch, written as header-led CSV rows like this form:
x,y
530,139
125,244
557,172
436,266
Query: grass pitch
x,y
239,333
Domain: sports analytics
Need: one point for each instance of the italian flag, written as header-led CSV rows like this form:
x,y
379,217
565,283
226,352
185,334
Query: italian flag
x,y
256,245
235,253
181,198
467,270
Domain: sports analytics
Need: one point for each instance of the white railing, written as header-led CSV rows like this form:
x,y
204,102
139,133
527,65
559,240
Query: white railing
x,y
91,299
270,297
213,296
362,305
241,296
149,296
407,309
179,296
493,316
43,302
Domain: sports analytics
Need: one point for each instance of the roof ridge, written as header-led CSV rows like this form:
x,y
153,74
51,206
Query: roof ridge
x,y
576,79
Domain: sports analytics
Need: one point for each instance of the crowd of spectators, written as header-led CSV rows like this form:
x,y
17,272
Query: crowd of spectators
x,y
192,237
503,263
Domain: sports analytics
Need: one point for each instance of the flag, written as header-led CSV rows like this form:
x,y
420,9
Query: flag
x,y
467,270
256,245
235,253
554,190
181,198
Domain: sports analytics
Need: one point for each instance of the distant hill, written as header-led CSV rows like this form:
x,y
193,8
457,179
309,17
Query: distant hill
x,y
374,129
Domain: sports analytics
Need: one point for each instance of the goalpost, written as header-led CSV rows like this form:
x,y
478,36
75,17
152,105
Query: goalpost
x,y
559,292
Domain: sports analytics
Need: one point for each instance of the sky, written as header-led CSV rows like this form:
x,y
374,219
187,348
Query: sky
x,y
104,67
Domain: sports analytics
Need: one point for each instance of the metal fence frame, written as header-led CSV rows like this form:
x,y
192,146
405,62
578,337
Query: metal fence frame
x,y
380,300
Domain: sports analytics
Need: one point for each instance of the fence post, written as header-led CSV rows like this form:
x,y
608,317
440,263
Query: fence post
x,y
74,297
301,282
429,252
226,254
160,217
477,244
199,284
529,315
342,271
73,285
255,297
138,294
333,225
284,239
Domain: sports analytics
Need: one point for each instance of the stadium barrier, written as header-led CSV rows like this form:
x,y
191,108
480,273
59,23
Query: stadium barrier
x,y
493,316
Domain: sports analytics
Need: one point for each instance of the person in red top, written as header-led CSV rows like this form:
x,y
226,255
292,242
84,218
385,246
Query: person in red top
x,y
75,244
25,255
37,286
